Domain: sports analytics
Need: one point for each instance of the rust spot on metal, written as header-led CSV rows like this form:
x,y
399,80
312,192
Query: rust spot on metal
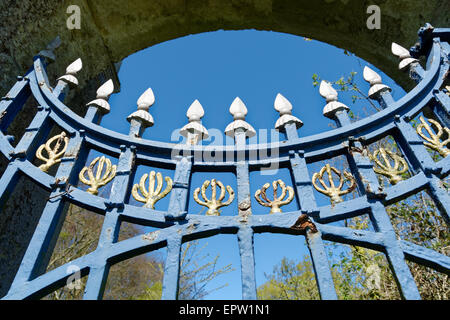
x,y
66,189
150,236
303,223
192,227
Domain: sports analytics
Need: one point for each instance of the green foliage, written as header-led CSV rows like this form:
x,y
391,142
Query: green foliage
x,y
348,84
152,292
138,278
290,281
416,220
196,274
358,274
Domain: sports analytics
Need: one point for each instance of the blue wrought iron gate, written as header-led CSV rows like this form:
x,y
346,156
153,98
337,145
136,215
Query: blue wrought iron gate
x,y
176,225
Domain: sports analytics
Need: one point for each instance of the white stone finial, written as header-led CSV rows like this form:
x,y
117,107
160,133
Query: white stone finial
x,y
195,111
144,102
71,71
371,76
331,96
239,111
399,51
327,91
103,94
194,131
105,90
284,107
74,67
403,54
376,85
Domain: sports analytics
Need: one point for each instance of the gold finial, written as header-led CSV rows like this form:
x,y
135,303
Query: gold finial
x,y
277,202
100,179
215,203
153,194
434,141
54,156
332,191
393,173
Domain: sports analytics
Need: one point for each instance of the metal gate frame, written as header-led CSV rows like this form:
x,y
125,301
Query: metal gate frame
x,y
177,226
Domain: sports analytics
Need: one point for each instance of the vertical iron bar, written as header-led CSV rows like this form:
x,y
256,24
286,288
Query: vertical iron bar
x,y
305,194
8,181
442,108
246,251
14,101
61,90
93,114
177,208
172,268
111,225
245,233
179,194
380,218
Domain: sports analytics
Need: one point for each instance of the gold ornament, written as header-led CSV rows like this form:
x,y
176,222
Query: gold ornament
x,y
215,203
100,179
393,173
332,191
434,141
53,154
277,202
152,195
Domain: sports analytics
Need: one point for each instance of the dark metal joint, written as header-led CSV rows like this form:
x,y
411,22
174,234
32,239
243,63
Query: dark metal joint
x,y
304,223
18,154
380,194
114,205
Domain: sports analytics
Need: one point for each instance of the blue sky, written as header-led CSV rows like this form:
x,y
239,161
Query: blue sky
x,y
215,68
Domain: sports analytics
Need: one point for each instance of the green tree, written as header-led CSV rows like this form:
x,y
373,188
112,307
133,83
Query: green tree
x,y
136,278
197,271
290,281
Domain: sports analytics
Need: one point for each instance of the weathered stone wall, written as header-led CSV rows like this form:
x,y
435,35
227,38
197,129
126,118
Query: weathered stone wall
x,y
113,29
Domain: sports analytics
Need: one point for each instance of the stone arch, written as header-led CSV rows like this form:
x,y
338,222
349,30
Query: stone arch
x,y
113,29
